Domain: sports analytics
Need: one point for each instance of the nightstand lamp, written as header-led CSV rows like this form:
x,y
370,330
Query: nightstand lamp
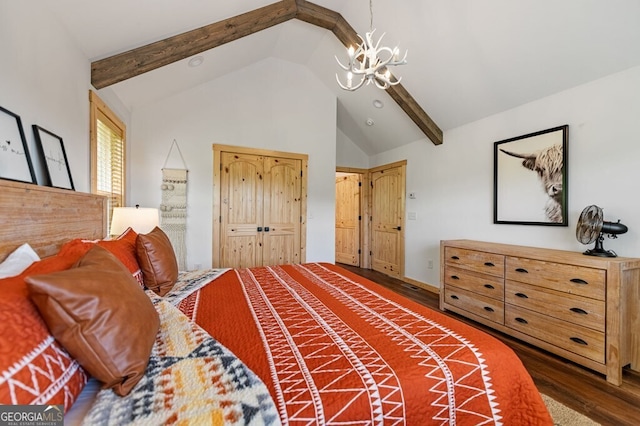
x,y
140,219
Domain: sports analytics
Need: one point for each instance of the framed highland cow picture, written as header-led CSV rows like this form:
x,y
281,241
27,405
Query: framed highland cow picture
x,y
530,178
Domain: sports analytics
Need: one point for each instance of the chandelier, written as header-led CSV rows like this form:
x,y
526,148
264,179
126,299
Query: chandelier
x,y
370,62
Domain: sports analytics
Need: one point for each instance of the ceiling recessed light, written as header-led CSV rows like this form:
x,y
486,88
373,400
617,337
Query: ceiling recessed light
x,y
196,61
378,103
370,122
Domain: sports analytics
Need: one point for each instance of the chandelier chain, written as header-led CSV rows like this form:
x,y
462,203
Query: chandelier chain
x,y
370,15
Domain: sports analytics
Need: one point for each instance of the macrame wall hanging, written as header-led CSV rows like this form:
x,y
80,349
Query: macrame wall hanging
x,y
173,210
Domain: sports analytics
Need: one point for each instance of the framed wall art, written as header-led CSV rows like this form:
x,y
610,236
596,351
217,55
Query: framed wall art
x,y
54,158
15,162
530,178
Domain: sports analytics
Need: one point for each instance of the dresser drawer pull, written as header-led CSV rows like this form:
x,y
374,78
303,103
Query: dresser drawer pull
x,y
488,264
579,311
489,286
454,297
455,257
522,295
579,341
488,309
455,277
578,281
522,270
522,320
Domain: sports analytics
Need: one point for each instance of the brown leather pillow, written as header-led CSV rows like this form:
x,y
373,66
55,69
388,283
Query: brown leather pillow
x,y
157,261
101,315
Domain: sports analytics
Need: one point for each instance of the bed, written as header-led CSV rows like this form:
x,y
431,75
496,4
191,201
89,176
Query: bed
x,y
288,344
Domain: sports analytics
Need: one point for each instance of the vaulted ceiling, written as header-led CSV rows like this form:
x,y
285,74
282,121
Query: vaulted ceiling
x,y
467,59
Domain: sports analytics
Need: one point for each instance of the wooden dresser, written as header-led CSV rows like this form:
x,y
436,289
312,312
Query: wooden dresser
x,y
584,308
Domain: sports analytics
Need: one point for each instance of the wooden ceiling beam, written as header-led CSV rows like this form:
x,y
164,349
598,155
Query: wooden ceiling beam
x,y
123,66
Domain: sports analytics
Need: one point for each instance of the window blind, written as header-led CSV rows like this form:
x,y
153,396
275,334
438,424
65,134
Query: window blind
x,y
108,154
110,162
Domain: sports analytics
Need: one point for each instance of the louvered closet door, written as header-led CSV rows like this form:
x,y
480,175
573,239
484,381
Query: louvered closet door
x,y
282,212
241,203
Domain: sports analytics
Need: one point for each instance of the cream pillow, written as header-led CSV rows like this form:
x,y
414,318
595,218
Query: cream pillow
x,y
18,261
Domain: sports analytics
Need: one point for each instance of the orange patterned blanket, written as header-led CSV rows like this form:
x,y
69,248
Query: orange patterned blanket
x,y
334,348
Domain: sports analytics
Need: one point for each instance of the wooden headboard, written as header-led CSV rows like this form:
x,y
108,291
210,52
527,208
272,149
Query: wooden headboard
x,y
47,217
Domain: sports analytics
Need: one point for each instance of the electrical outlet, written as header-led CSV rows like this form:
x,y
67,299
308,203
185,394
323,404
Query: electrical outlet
x,y
430,264
412,216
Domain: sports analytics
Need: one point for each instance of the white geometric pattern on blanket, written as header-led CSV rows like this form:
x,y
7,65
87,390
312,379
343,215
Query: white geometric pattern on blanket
x,y
310,319
394,320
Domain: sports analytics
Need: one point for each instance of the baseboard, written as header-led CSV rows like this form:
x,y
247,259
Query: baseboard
x,y
424,286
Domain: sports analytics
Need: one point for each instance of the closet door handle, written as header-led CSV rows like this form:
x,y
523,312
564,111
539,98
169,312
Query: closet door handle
x,y
579,311
259,228
578,281
266,229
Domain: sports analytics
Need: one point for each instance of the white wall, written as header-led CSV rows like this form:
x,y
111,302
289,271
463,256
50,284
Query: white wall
x,y
454,181
45,78
348,154
271,104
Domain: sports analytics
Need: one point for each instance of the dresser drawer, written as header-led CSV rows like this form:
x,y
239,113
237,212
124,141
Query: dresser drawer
x,y
587,282
578,310
487,285
482,306
580,340
486,263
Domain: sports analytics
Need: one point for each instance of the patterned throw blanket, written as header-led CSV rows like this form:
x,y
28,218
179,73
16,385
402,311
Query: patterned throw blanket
x,y
191,379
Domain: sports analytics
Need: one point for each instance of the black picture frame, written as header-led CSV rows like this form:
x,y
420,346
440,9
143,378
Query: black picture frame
x,y
54,158
15,161
530,178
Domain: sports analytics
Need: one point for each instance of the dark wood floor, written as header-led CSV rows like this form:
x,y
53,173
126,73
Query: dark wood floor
x,y
581,389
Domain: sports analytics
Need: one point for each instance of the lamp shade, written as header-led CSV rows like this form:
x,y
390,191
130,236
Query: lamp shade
x,y
140,219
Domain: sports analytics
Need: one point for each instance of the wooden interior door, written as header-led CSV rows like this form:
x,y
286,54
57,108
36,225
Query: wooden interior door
x,y
259,205
281,211
348,216
387,219
241,183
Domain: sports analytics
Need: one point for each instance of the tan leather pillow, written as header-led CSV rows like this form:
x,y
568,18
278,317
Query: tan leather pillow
x,y
101,315
157,261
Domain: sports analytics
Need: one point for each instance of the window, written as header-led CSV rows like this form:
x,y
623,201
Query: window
x,y
108,152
